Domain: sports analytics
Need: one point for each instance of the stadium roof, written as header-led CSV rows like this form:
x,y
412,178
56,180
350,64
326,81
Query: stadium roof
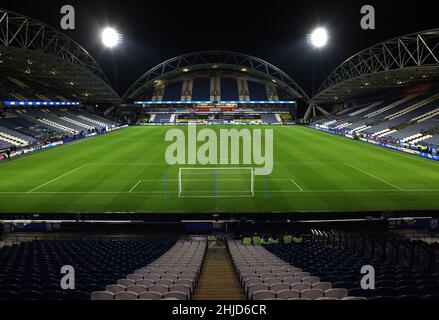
x,y
398,62
215,60
41,53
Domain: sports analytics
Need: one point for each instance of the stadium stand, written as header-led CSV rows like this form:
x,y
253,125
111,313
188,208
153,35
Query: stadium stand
x,y
257,91
162,118
171,277
412,119
29,126
337,258
265,276
4,145
31,270
271,119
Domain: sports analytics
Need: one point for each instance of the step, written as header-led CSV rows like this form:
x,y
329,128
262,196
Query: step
x,y
218,280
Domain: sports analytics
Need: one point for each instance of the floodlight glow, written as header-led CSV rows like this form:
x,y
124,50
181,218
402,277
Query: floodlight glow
x,y
110,37
319,37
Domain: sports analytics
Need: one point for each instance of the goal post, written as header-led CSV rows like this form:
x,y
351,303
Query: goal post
x,y
216,182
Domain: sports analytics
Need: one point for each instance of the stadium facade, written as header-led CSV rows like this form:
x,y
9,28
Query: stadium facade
x,y
215,86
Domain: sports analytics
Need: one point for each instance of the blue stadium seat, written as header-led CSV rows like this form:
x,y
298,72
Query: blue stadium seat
x,y
31,270
407,291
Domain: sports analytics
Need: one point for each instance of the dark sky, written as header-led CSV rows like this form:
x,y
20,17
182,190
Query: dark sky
x,y
273,30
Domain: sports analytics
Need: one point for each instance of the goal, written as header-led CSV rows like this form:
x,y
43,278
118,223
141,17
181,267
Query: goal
x,y
216,182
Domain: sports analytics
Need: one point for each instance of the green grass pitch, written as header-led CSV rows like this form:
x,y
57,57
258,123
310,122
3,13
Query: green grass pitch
x,y
125,171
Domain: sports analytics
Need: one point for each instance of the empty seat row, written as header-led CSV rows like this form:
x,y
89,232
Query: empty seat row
x,y
173,275
32,270
127,295
264,275
309,294
342,268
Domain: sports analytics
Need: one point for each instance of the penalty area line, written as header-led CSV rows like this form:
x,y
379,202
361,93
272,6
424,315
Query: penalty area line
x,y
176,192
373,176
137,184
57,178
297,185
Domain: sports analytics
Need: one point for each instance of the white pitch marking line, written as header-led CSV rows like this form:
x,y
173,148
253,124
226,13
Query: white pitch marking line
x,y
277,191
196,180
137,184
212,197
57,178
373,176
301,190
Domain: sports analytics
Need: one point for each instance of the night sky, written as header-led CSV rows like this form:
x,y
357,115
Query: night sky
x,y
155,31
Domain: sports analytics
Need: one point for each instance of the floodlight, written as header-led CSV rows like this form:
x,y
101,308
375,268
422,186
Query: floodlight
x,y
110,37
319,37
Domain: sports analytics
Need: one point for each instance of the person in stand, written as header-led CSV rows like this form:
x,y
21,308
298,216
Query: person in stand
x,y
288,239
257,241
247,241
273,240
297,239
265,240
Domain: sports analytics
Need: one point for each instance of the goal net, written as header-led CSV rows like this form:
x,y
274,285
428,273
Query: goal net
x,y
216,182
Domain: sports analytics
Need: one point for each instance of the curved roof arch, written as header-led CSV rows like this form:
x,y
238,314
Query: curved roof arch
x,y
215,59
389,64
27,39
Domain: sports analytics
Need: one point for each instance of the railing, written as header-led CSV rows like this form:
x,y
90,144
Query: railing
x,y
397,251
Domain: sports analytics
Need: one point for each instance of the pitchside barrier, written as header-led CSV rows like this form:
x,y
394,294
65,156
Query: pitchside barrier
x,y
235,182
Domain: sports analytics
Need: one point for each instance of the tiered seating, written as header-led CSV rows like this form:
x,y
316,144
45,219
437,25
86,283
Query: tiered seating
x,y
11,123
86,120
418,127
405,115
171,277
401,119
430,101
51,116
160,118
52,121
23,127
265,276
25,120
31,271
94,118
270,119
343,120
390,107
64,115
15,138
4,145
342,268
434,140
378,115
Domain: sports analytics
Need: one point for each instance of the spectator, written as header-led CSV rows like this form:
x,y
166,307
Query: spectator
x,y
297,239
288,239
257,240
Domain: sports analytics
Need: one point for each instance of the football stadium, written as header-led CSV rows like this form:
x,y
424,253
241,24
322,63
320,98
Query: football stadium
x,y
216,175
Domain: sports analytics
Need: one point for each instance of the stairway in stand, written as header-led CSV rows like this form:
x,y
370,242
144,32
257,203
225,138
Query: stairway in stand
x,y
218,280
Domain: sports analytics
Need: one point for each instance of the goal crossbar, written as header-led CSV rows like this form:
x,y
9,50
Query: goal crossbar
x,y
216,176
